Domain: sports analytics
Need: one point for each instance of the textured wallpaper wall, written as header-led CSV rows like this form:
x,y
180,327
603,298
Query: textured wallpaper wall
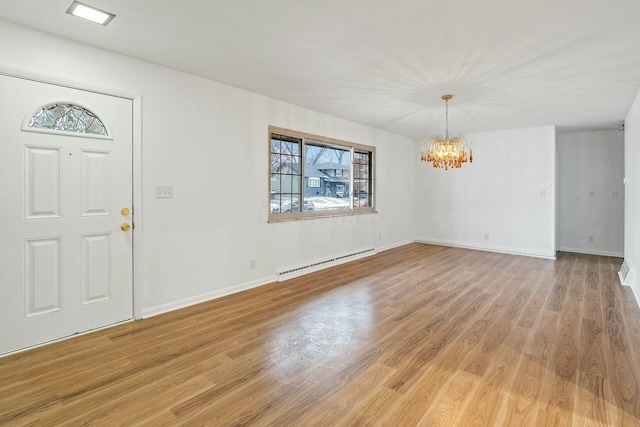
x,y
503,201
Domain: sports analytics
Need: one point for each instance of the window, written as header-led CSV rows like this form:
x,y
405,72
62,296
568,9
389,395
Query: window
x,y
71,118
285,174
313,176
362,179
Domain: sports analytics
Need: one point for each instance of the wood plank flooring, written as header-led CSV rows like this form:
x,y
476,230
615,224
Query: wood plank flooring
x,y
417,335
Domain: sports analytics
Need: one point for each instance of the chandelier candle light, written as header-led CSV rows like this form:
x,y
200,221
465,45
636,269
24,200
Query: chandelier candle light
x,y
447,152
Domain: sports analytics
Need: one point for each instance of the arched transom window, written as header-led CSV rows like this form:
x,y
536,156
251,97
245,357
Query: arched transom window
x,y
63,117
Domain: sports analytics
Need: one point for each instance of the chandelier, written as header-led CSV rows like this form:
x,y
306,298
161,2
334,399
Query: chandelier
x,y
447,152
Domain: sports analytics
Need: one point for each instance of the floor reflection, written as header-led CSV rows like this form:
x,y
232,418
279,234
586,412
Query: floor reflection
x,y
325,328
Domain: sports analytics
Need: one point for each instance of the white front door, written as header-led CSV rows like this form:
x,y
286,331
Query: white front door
x,y
65,263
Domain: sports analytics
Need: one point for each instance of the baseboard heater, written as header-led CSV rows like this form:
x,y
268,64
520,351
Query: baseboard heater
x,y
313,266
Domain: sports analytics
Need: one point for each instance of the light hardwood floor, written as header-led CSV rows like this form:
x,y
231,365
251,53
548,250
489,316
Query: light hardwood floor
x,y
418,335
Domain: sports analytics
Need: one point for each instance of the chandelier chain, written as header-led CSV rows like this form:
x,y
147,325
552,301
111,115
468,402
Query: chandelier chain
x,y
446,118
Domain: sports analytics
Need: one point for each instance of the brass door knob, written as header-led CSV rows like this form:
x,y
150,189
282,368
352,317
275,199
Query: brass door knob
x,y
124,211
125,227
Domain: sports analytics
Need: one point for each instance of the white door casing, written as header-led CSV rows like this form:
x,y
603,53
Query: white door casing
x,y
65,264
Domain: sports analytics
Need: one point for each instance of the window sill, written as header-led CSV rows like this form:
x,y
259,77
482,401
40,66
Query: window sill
x,y
330,214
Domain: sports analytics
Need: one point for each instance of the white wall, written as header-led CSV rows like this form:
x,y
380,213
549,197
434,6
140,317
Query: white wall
x,y
503,201
591,192
209,141
632,196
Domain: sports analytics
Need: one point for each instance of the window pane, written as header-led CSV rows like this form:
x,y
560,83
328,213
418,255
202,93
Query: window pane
x,y
326,186
275,163
275,146
295,184
285,184
295,203
275,183
285,188
359,185
292,148
362,182
67,118
361,200
285,206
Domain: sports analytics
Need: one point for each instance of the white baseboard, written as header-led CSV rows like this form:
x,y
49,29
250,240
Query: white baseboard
x,y
636,294
630,280
622,282
394,245
324,265
487,248
68,337
186,302
592,252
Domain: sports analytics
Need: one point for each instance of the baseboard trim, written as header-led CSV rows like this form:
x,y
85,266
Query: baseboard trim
x,y
635,293
630,280
325,265
68,337
497,249
592,252
394,245
187,302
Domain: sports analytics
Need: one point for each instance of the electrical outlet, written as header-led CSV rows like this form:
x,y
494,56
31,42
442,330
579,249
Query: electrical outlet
x,y
614,194
164,191
543,194
252,263
486,237
380,236
591,239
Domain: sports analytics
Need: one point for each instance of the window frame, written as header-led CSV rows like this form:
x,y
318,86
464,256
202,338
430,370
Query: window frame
x,y
327,142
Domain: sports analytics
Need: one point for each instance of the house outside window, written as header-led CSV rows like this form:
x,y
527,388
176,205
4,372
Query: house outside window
x,y
313,176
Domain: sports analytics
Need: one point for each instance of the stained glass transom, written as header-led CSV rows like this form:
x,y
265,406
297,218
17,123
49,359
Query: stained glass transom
x,y
67,118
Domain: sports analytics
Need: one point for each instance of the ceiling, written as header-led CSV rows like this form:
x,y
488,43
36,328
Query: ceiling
x,y
509,63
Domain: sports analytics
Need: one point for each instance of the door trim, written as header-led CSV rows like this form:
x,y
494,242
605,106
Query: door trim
x,y
136,98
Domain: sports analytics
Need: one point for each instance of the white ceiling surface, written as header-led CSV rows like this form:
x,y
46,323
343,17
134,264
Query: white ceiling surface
x,y
385,63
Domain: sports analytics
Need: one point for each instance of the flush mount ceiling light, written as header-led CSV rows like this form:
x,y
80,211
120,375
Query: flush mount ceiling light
x,y
82,10
446,152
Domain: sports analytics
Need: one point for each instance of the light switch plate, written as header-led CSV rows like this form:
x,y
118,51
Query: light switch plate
x,y
164,191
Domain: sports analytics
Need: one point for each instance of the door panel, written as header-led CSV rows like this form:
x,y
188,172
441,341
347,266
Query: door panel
x,y
96,183
42,182
42,263
96,268
65,265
